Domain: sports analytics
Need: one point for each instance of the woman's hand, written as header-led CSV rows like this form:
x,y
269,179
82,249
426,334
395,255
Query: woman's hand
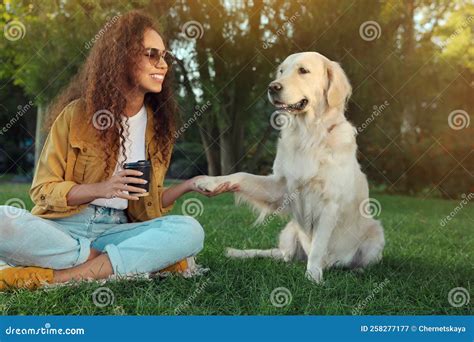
x,y
117,184
224,187
171,194
111,188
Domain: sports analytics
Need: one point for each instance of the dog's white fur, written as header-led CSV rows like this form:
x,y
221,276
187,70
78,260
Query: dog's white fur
x,y
316,176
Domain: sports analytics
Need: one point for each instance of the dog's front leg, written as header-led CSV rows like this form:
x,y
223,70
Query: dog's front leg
x,y
320,241
210,183
267,189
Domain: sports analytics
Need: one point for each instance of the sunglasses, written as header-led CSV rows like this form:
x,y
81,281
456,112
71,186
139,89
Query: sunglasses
x,y
155,55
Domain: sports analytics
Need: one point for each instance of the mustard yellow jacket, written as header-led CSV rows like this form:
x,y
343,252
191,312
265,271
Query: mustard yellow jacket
x,y
73,155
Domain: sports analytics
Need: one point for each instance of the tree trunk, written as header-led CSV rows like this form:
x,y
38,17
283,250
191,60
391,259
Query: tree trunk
x,y
408,123
212,155
227,153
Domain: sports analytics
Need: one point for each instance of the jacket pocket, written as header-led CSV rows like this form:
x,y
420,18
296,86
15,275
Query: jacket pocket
x,y
80,167
89,166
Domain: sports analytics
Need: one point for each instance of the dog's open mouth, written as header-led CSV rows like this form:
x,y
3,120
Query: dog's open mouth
x,y
295,107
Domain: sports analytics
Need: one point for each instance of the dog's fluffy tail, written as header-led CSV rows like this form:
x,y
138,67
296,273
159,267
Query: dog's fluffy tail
x,y
370,250
274,253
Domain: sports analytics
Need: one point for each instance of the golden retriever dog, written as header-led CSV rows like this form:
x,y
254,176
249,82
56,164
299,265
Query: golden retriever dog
x,y
316,177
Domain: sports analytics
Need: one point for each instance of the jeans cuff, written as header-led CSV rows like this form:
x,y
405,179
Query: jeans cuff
x,y
84,251
115,259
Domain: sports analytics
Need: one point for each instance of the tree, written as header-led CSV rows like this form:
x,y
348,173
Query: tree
x,y
229,66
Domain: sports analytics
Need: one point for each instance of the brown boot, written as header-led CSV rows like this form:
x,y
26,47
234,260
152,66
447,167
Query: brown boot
x,y
179,267
24,277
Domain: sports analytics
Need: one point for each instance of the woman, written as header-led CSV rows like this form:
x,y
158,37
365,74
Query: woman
x,y
90,220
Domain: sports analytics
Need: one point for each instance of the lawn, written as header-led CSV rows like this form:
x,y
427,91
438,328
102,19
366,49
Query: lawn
x,y
422,262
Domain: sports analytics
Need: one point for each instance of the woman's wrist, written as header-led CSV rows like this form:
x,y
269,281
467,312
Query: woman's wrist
x,y
95,190
188,185
83,193
172,193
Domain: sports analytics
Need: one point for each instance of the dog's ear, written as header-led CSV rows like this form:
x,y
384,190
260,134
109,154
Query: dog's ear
x,y
339,89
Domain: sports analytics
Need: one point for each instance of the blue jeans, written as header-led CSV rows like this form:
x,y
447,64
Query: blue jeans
x,y
132,248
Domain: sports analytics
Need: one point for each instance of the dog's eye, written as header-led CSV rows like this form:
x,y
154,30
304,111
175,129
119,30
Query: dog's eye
x,y
280,71
303,70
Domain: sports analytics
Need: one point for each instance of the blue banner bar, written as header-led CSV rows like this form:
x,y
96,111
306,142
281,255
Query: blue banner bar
x,y
242,328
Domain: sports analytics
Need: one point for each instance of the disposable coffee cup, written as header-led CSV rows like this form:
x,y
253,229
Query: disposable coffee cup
x,y
142,166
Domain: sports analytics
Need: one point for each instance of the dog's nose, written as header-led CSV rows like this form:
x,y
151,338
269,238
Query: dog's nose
x,y
275,87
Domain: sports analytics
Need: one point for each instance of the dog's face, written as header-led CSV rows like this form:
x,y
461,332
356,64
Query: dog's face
x,y
308,81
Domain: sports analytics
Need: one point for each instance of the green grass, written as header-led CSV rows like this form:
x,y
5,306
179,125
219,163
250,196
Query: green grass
x,y
422,263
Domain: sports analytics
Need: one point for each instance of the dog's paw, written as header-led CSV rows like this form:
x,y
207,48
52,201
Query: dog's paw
x,y
206,183
315,274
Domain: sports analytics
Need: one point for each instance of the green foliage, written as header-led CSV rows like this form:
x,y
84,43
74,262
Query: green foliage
x,y
55,42
457,38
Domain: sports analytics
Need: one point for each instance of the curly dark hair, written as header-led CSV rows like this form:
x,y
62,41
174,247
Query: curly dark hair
x,y
106,70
